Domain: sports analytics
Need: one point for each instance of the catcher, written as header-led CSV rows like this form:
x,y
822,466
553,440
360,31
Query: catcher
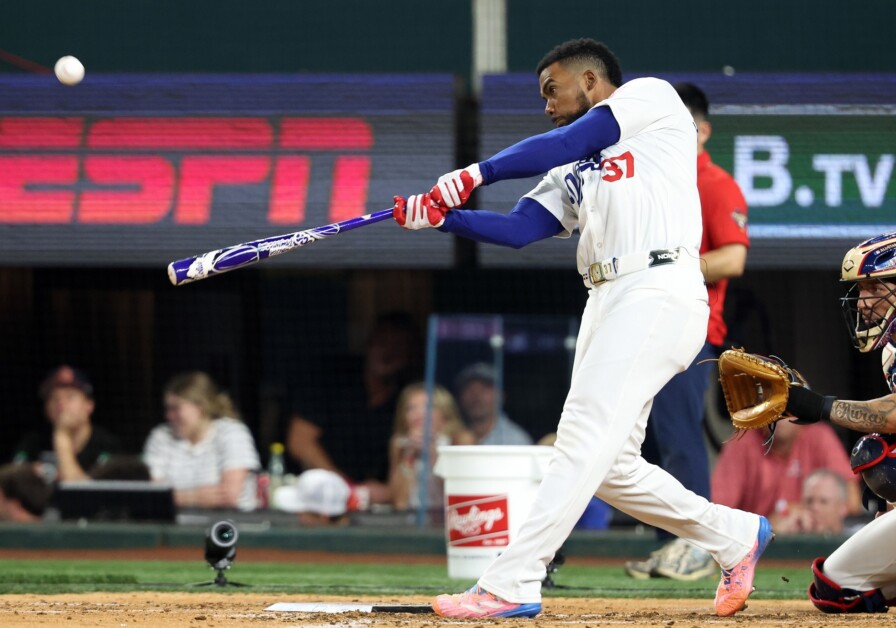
x,y
860,576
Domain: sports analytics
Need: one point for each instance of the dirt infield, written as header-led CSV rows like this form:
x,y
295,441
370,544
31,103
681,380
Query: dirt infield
x,y
163,610
233,609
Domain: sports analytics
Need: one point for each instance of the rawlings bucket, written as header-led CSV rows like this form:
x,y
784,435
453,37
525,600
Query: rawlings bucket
x,y
489,491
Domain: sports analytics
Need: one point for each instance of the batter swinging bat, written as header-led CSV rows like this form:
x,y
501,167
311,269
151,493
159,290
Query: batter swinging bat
x,y
239,255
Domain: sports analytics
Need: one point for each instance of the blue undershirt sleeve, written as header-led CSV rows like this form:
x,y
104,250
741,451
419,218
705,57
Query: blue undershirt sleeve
x,y
528,222
535,155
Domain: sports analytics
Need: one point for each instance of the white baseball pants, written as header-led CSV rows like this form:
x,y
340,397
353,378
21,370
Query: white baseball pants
x,y
637,332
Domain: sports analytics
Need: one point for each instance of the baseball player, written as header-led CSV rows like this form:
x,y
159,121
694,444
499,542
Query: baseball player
x,y
621,165
860,576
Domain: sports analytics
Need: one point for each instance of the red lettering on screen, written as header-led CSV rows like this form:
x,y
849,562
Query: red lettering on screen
x,y
326,134
133,170
289,190
147,199
41,132
20,203
184,133
349,194
200,174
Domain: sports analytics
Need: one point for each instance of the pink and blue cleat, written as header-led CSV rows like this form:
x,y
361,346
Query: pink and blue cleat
x,y
737,583
477,602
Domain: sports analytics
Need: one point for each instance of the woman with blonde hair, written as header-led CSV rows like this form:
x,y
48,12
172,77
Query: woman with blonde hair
x,y
203,450
406,444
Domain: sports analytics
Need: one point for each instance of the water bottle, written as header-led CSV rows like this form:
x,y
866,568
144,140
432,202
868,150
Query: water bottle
x,y
276,470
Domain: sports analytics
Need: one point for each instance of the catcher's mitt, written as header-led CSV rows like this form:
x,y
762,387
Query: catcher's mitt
x,y
756,387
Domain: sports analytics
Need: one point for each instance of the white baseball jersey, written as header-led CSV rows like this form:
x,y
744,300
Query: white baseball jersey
x,y
639,194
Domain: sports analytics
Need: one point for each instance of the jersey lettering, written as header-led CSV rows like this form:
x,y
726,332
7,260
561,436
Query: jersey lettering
x,y
618,167
574,187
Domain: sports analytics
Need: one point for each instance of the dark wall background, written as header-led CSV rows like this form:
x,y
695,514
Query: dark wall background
x,y
234,36
764,35
436,35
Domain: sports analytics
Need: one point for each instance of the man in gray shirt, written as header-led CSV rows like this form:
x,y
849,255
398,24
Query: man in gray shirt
x,y
481,404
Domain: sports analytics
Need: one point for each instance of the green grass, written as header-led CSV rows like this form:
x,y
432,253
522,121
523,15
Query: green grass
x,y
81,576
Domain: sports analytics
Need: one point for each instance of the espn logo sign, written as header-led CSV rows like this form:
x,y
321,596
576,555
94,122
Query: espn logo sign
x,y
477,520
136,170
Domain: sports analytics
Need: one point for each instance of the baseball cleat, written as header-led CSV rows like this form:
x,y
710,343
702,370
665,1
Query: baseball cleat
x,y
686,562
477,602
737,583
646,569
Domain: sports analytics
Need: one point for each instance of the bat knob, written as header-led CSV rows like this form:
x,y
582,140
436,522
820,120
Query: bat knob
x,y
178,272
172,274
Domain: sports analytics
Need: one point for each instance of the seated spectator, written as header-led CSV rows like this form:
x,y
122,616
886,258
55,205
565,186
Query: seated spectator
x,y
481,404
771,484
319,498
203,450
824,506
343,424
406,445
23,493
70,443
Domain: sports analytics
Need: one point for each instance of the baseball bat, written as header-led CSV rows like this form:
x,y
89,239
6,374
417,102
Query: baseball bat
x,y
204,265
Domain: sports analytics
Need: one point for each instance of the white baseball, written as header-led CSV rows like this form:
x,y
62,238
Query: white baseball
x,y
69,70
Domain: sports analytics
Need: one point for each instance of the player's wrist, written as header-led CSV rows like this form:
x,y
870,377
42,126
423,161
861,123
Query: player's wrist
x,y
809,406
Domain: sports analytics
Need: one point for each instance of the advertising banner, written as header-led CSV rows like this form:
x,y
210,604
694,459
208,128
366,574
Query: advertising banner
x,y
139,170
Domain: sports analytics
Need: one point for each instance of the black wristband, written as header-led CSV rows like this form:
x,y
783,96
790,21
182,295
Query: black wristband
x,y
808,406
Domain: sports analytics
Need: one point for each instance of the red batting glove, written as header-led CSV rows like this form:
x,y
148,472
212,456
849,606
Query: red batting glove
x,y
454,189
418,212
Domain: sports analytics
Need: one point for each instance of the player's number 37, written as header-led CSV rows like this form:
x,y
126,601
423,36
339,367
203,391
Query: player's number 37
x,y
616,168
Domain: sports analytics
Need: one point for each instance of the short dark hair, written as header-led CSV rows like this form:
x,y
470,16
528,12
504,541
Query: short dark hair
x,y
585,51
22,483
693,98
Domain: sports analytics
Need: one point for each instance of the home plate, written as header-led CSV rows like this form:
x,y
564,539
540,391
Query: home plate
x,y
323,607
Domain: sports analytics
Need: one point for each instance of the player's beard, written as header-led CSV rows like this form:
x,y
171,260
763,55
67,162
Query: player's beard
x,y
582,108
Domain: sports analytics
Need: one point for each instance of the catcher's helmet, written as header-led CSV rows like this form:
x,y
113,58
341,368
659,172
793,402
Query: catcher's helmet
x,y
874,458
871,320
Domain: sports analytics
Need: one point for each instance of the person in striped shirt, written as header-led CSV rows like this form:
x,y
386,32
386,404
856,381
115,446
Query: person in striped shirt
x,y
203,450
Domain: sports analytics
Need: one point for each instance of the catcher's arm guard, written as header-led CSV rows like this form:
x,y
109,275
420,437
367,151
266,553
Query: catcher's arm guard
x,y
757,389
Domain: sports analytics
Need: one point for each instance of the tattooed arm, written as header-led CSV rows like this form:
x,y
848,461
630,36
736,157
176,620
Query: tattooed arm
x,y
876,415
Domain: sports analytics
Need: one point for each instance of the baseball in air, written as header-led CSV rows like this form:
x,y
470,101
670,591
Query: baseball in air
x,y
69,70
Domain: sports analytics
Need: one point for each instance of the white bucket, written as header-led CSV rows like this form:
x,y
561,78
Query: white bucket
x,y
489,491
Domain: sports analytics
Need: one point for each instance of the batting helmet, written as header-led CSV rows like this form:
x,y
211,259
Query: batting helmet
x,y
871,320
874,458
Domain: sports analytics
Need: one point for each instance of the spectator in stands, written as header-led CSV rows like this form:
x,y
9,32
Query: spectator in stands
x,y
344,423
406,446
481,404
771,484
823,508
23,493
319,497
203,450
70,443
